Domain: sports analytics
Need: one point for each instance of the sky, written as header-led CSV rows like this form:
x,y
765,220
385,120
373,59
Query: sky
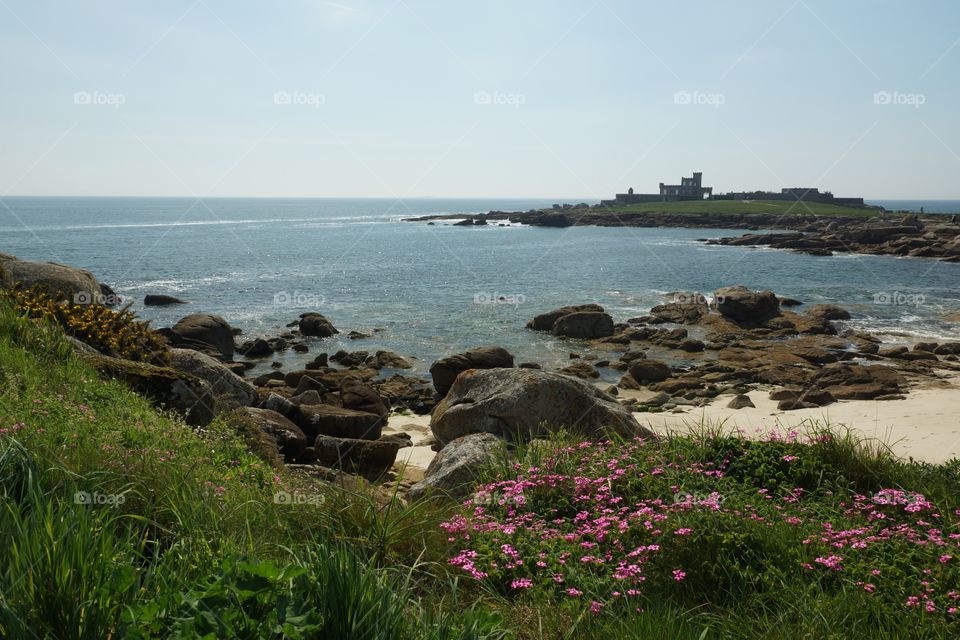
x,y
566,99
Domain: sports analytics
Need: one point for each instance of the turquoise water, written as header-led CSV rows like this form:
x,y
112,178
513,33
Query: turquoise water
x,y
260,263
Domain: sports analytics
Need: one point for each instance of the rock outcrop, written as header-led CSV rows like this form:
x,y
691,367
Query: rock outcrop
x,y
446,370
207,329
59,281
526,403
453,472
230,390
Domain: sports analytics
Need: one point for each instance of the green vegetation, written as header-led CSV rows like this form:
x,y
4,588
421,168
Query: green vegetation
x,y
121,522
778,207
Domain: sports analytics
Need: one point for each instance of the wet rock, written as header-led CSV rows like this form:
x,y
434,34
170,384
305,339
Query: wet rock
x,y
161,300
207,329
316,324
446,370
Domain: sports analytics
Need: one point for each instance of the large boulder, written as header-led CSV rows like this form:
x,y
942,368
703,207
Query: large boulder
x,y
207,329
316,324
858,382
584,324
744,306
329,420
391,360
290,440
645,371
166,387
360,396
686,308
828,312
454,470
161,300
231,391
367,457
545,321
524,404
446,370
59,281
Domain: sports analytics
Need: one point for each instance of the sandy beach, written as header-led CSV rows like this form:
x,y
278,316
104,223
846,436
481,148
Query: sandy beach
x,y
924,425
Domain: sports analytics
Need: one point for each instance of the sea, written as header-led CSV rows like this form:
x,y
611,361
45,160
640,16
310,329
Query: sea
x,y
426,291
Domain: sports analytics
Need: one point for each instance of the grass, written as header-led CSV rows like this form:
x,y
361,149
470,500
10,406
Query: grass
x,y
122,522
720,207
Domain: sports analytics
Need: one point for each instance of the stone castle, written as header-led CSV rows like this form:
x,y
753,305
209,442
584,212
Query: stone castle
x,y
692,189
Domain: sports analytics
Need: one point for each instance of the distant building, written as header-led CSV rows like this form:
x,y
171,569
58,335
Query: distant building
x,y
692,189
688,189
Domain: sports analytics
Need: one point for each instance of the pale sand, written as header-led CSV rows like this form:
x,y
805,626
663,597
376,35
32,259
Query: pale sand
x,y
420,454
924,425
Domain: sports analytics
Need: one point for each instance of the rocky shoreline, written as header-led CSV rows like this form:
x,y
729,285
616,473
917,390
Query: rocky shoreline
x,y
928,236
332,414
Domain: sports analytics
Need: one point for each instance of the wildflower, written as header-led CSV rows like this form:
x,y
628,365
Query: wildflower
x,y
683,532
574,593
789,458
679,575
596,607
521,583
945,558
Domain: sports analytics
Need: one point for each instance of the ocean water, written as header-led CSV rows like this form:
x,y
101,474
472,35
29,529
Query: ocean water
x,y
437,289
928,206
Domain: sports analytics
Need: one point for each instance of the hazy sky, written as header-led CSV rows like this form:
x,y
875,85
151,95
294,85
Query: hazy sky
x,y
552,98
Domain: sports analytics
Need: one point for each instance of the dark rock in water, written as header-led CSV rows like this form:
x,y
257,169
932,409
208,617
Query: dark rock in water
x,y
453,472
301,348
446,370
687,308
646,371
545,321
161,300
580,370
948,348
357,335
524,404
290,440
208,329
741,401
358,395
316,324
529,365
258,348
790,302
742,305
828,312
349,359
367,457
328,420
584,324
391,360
318,362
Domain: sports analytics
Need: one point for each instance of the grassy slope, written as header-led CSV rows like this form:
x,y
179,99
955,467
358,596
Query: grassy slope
x,y
740,207
198,542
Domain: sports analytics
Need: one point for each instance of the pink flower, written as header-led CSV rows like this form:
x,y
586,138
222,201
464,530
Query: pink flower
x,y
596,607
831,562
790,458
574,593
945,558
679,575
683,532
521,583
